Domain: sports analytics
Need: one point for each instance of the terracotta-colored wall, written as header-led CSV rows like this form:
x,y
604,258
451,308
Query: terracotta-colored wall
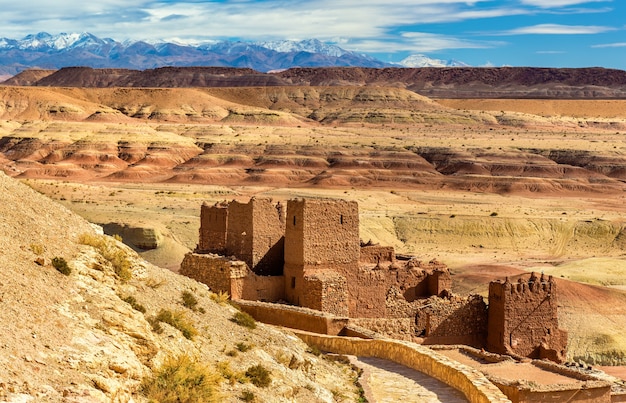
x,y
240,234
326,292
458,320
294,317
598,394
212,270
321,232
268,231
522,316
213,227
234,277
377,254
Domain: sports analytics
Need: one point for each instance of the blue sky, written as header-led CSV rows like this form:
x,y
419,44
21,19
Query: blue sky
x,y
548,33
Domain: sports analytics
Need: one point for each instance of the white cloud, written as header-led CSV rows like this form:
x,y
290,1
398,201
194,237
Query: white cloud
x,y
611,45
559,3
427,42
556,29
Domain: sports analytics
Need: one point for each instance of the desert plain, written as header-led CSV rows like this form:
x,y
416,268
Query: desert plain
x,y
490,187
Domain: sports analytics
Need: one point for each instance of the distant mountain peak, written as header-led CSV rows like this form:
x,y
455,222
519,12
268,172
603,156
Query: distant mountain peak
x,y
43,50
419,60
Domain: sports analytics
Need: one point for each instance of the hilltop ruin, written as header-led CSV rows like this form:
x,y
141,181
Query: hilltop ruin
x,y
309,254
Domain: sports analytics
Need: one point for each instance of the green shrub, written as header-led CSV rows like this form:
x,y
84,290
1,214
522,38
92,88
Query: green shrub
x,y
134,304
259,376
37,249
61,265
179,321
243,319
243,347
247,396
189,300
181,379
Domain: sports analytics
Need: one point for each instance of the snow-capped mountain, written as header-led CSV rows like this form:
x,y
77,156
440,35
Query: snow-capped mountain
x,y
425,61
307,45
47,51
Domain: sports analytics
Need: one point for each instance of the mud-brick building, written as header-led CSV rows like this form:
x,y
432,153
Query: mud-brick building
x,y
523,319
308,254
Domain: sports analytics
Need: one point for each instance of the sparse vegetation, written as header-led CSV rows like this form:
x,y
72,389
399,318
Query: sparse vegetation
x,y
259,376
247,396
61,265
182,379
231,376
176,319
243,347
37,249
109,250
243,319
220,297
134,304
189,300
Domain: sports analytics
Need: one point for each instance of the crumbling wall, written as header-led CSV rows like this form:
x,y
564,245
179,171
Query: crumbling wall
x,y
326,292
222,274
454,320
377,254
239,233
396,328
294,317
523,319
213,228
215,271
322,232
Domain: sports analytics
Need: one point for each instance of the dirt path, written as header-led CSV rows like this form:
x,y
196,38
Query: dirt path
x,y
388,382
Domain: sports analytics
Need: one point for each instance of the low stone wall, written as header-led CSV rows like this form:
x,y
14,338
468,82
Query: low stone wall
x,y
589,389
293,317
473,384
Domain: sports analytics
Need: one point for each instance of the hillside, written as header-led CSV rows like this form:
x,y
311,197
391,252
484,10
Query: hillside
x,y
435,82
83,337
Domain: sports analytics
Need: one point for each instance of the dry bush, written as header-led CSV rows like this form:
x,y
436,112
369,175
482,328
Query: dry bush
x,y
231,376
108,248
189,300
243,319
220,297
134,304
61,265
178,320
182,379
259,376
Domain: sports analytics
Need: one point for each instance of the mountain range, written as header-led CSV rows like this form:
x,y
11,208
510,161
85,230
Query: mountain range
x,y
45,51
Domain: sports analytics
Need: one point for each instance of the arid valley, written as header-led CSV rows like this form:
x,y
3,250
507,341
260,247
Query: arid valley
x,y
492,187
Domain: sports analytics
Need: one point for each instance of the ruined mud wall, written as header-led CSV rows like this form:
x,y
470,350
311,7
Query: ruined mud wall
x,y
234,277
523,316
322,232
453,321
239,232
213,270
255,232
213,228
326,292
377,254
294,317
398,328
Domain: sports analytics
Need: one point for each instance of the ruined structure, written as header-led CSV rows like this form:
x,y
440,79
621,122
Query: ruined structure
x,y
523,319
310,255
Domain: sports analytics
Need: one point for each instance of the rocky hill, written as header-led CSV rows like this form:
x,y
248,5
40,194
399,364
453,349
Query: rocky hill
x,y
85,319
437,82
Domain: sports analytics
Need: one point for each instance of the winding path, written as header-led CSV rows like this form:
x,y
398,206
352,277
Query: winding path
x,y
388,382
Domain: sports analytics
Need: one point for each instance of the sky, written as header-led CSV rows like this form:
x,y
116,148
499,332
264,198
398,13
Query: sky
x,y
541,33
